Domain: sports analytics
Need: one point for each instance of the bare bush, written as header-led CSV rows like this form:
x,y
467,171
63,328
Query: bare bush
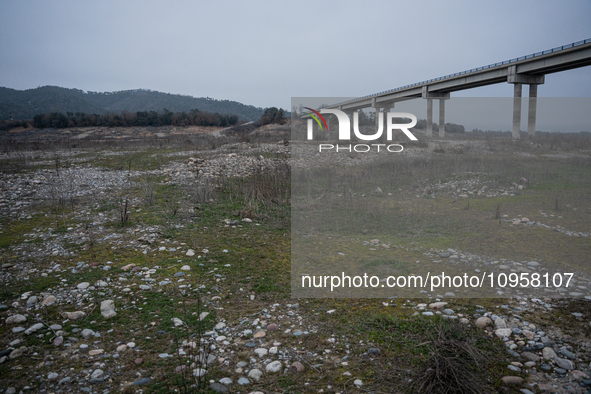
x,y
148,190
453,361
172,203
202,191
261,190
187,374
123,211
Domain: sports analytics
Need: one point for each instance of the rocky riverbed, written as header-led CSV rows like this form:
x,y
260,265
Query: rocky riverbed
x,y
85,302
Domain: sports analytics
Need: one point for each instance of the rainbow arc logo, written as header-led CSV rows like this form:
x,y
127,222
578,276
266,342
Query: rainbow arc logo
x,y
315,117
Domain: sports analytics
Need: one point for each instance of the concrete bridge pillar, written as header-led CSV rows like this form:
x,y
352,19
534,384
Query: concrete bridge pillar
x,y
375,106
442,97
429,117
442,118
516,110
518,80
351,121
532,105
377,118
385,109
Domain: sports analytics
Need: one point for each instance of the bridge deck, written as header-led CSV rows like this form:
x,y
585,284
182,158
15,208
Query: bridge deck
x,y
566,57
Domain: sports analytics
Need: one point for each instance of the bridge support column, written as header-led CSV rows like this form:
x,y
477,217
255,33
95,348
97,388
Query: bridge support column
x,y
441,118
516,110
426,94
351,121
518,80
386,108
429,117
377,118
532,106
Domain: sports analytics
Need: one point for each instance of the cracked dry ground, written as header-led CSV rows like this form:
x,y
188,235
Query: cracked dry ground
x,y
131,271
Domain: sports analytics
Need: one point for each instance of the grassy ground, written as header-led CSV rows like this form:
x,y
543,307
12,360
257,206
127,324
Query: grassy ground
x,y
257,262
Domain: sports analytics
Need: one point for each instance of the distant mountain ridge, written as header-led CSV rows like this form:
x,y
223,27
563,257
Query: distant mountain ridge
x,y
25,104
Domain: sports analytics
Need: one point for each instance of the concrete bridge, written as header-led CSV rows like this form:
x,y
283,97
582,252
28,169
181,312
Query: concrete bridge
x,y
529,70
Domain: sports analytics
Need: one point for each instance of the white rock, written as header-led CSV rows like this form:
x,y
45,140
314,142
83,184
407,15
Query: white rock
x,y
274,367
190,253
83,285
185,268
199,372
548,353
15,319
261,351
503,332
34,328
438,305
500,323
17,352
482,322
108,309
529,334
255,374
97,374
49,300
177,322
87,333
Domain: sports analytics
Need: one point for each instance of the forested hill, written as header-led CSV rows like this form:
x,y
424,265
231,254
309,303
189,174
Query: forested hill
x,y
25,104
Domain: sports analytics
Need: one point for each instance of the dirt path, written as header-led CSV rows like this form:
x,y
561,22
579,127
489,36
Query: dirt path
x,y
218,133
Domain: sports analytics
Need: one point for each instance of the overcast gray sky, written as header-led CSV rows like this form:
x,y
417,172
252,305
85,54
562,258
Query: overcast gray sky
x,y
264,52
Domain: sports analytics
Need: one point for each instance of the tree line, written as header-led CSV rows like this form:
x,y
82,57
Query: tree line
x,y
141,118
272,115
449,127
25,104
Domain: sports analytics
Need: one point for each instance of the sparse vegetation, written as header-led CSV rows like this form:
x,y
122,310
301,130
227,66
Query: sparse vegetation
x,y
150,211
